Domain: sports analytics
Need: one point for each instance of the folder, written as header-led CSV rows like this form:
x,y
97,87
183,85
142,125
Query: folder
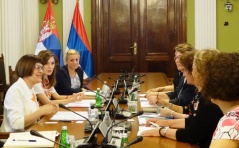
x,y
26,140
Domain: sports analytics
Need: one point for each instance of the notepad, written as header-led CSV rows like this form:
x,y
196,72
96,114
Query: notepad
x,y
25,139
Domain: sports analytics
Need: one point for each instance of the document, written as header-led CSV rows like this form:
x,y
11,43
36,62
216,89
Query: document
x,y
145,103
144,128
69,116
83,103
26,140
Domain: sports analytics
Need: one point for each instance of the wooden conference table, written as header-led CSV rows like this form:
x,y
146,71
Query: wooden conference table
x,y
151,80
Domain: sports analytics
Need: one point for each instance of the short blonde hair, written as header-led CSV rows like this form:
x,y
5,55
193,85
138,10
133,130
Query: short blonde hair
x,y
71,52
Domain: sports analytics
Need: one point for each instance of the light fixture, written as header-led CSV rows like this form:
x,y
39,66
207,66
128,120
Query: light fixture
x,y
45,1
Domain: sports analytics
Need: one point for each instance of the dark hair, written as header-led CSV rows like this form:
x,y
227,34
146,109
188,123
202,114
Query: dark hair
x,y
45,55
26,64
222,77
187,60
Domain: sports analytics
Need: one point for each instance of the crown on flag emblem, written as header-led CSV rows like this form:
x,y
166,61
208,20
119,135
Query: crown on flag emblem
x,y
47,27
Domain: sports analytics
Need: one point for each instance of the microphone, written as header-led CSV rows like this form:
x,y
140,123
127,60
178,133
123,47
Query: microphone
x,y
66,108
133,90
105,140
106,101
136,140
100,80
101,113
35,133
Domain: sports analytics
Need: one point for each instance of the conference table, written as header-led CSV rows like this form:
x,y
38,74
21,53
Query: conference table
x,y
151,80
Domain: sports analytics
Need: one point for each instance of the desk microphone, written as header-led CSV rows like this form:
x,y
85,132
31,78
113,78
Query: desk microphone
x,y
100,80
101,112
136,140
66,108
35,133
105,140
106,101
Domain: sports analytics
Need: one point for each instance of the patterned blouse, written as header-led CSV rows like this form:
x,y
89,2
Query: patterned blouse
x,y
228,126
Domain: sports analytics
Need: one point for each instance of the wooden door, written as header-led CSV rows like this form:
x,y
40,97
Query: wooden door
x,y
137,34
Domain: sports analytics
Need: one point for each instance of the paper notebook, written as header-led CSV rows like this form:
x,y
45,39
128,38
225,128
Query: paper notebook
x,y
26,140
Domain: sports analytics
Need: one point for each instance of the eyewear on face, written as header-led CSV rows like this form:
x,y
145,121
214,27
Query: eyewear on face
x,y
176,57
39,68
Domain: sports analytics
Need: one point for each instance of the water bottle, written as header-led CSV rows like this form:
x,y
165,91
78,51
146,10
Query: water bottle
x,y
64,137
107,119
98,100
136,83
89,113
104,89
124,140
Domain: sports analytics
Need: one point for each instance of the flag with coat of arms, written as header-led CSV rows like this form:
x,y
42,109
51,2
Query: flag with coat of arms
x,y
78,41
49,39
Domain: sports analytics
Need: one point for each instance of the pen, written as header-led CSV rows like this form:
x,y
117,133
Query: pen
x,y
65,121
24,140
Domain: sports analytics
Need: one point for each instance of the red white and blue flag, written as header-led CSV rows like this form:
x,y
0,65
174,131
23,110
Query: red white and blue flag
x,y
49,39
78,41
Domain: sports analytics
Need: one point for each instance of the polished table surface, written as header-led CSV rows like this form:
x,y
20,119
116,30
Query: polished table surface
x,y
151,80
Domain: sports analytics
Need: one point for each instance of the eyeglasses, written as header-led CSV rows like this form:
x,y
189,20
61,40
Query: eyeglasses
x,y
176,57
39,67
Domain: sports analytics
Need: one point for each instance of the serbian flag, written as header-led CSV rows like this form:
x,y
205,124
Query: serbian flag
x,y
78,41
48,39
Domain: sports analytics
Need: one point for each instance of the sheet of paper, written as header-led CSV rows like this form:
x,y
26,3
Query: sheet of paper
x,y
144,128
89,93
67,115
83,103
21,139
145,103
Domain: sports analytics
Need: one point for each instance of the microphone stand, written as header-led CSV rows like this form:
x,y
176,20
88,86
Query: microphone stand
x,y
105,140
37,134
66,108
106,101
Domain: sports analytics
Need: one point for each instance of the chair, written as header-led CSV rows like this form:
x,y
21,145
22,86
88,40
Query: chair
x,y
3,86
12,75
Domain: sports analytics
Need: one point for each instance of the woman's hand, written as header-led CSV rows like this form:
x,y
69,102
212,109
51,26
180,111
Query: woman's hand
x,y
165,112
77,96
160,122
153,132
49,109
152,100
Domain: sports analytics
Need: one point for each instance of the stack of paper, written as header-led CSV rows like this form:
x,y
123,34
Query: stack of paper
x,y
83,103
146,106
25,139
69,116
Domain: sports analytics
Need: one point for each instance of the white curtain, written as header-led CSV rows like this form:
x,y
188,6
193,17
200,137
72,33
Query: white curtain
x,y
205,24
68,11
19,26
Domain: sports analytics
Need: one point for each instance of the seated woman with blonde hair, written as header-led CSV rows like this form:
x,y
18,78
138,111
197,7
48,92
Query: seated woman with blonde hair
x,y
69,78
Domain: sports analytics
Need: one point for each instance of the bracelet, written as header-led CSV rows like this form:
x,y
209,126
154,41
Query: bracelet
x,y
160,131
66,97
165,130
171,115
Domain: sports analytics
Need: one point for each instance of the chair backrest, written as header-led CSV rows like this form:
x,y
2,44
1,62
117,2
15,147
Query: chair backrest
x,y
2,71
12,75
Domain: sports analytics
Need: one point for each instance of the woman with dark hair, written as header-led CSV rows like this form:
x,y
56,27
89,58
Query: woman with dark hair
x,y
45,90
195,122
21,108
217,76
183,93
